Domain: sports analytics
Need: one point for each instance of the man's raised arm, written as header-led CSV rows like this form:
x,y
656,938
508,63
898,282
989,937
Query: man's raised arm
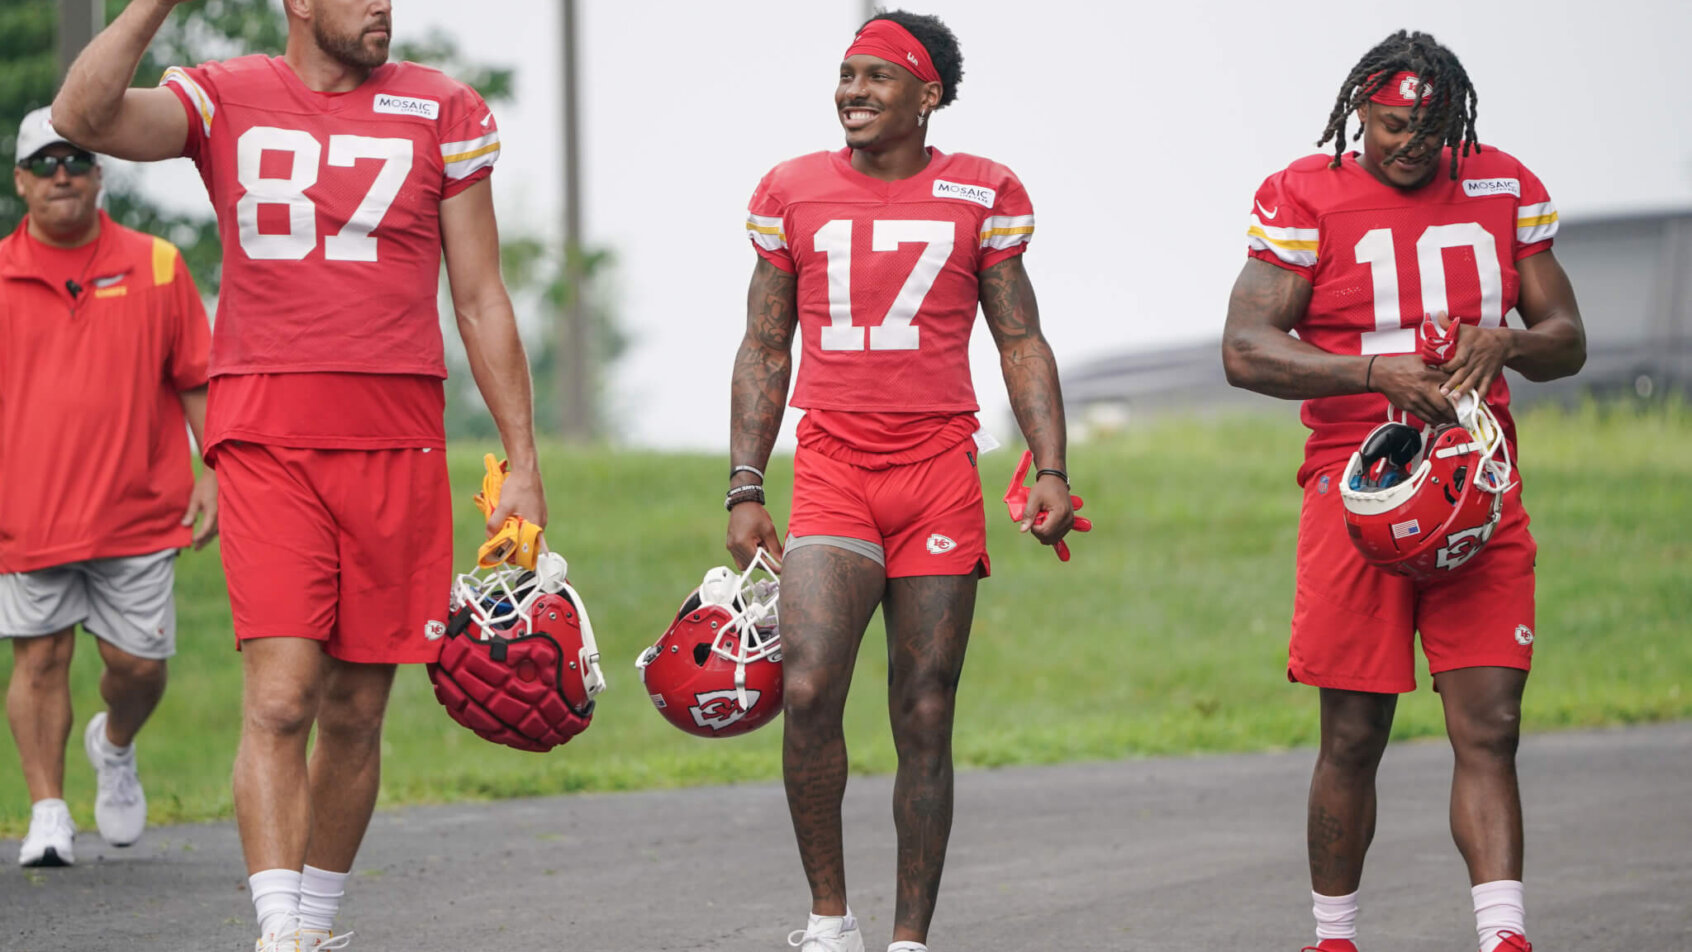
x,y
97,109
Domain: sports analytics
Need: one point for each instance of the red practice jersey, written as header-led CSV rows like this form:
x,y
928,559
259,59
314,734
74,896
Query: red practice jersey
x,y
328,207
1379,257
887,274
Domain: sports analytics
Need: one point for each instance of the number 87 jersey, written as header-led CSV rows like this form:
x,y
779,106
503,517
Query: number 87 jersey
x,y
887,272
1379,257
328,208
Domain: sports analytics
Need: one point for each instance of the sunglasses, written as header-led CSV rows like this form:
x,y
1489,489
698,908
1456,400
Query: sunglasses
x,y
47,166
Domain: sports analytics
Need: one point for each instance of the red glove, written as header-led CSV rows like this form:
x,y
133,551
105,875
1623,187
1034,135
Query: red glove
x,y
1016,500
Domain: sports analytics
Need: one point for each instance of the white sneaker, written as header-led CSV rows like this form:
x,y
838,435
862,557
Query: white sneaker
x,y
120,806
51,838
318,940
286,938
828,934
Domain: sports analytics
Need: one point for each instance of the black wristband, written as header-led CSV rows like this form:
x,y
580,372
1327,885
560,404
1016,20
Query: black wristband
x,y
740,494
1053,472
1369,375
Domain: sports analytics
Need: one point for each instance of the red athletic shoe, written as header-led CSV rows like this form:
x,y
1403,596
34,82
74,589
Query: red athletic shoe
x,y
1511,942
1336,945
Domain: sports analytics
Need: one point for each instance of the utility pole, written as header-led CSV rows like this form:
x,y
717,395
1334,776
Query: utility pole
x,y
577,421
79,20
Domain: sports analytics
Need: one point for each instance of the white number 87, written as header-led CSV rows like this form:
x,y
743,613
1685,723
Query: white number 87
x,y
354,242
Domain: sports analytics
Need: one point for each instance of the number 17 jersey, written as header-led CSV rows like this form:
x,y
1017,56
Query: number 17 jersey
x,y
886,274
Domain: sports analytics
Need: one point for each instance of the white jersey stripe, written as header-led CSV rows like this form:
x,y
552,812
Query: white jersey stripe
x,y
766,232
202,102
999,232
1536,223
1295,246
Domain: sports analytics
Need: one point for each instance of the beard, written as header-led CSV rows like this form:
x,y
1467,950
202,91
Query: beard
x,y
350,48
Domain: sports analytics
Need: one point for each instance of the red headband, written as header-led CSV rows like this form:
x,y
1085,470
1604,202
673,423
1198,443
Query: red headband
x,y
1400,90
895,44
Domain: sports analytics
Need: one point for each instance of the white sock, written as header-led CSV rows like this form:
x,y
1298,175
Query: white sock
x,y
1336,916
50,804
276,898
907,946
1498,909
320,897
110,751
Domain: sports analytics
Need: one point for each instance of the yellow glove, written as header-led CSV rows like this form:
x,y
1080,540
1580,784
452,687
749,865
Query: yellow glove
x,y
488,499
518,541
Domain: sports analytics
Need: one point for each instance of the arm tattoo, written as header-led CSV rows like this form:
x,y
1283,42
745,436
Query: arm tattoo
x,y
1258,352
1031,377
763,365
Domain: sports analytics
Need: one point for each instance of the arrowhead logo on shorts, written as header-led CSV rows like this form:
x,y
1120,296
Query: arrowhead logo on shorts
x,y
719,709
940,545
434,630
1524,635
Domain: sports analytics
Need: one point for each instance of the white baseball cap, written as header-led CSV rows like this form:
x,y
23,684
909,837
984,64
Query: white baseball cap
x,y
37,133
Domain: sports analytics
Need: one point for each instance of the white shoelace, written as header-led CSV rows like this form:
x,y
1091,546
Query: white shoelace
x,y
799,937
122,785
335,942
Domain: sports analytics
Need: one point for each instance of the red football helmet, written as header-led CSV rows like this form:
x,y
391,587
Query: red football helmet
x,y
520,666
717,670
1425,504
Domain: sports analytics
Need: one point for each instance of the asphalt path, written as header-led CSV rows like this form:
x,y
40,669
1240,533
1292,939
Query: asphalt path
x,y
1188,854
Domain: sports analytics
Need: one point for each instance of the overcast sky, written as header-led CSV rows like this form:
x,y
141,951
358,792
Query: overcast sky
x,y
1140,130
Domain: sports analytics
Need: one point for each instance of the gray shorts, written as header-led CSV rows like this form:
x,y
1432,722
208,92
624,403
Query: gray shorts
x,y
125,601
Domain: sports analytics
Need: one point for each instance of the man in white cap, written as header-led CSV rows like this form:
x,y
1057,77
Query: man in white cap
x,y
103,351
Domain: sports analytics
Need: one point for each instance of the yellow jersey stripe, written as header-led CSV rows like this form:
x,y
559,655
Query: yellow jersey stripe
x,y
1258,233
472,154
1536,221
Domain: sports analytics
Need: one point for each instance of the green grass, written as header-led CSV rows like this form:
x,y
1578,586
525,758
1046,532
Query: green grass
x,y
1165,635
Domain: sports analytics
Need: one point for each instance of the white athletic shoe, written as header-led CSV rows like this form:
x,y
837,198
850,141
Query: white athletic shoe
x,y
120,806
51,837
317,940
828,934
286,938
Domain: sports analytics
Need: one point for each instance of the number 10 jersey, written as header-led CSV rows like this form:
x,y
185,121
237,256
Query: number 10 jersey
x,y
1379,257
887,273
328,208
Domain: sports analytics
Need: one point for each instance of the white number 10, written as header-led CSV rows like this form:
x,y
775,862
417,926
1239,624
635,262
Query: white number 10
x,y
1376,250
897,330
354,243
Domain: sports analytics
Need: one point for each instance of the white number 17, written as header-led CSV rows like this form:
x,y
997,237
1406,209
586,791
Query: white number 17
x,y
897,330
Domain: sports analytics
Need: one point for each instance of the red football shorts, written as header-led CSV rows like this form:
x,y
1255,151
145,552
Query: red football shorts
x,y
352,548
922,518
1354,625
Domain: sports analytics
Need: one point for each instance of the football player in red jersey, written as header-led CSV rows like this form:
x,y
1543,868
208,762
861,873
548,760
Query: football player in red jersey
x,y
339,179
878,256
1352,251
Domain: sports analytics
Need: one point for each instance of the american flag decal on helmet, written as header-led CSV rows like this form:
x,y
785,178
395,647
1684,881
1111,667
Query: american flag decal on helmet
x,y
1409,527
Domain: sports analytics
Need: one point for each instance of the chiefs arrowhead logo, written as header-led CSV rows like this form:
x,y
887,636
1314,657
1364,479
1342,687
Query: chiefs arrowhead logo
x,y
719,709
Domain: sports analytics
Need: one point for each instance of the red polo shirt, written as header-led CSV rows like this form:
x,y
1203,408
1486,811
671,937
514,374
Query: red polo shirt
x,y
94,453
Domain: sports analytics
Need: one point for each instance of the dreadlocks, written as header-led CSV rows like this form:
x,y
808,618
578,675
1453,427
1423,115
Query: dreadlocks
x,y
1448,113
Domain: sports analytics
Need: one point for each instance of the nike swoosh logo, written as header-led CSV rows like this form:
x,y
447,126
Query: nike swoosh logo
x,y
489,118
1266,212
